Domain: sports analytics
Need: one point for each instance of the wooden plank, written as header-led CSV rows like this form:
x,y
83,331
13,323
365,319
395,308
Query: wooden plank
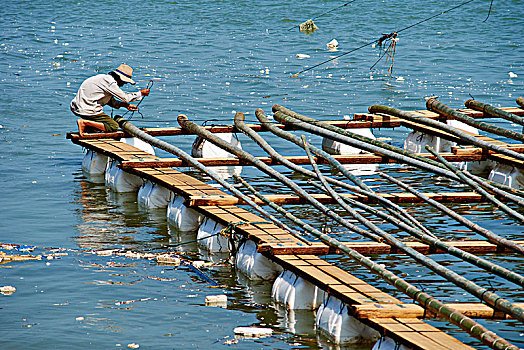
x,y
318,248
300,160
288,199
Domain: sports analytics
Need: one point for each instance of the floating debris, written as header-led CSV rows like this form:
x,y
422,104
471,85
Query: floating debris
x,y
302,56
131,301
7,290
167,259
80,318
332,45
133,346
217,300
512,75
252,332
307,27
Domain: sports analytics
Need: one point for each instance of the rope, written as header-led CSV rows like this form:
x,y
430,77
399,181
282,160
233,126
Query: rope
x,y
381,39
226,232
149,86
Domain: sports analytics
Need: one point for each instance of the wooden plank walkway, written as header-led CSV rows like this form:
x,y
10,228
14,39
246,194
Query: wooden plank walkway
x,y
372,306
356,292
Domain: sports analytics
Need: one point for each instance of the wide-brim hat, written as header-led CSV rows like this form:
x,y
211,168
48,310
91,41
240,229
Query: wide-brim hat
x,y
125,73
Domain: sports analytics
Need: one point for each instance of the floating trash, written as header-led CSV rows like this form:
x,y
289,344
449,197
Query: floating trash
x,y
302,56
216,300
332,45
133,346
253,332
307,27
7,290
80,318
512,75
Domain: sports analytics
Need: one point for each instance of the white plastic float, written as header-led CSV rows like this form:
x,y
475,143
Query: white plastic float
x,y
183,218
337,148
507,175
94,163
209,238
205,149
296,293
151,195
386,343
334,321
416,141
253,264
118,180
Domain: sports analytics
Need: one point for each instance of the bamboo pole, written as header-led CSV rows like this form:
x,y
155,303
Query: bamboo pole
x,y
279,110
435,267
473,328
435,105
136,132
492,237
520,101
393,208
493,111
482,182
194,128
347,138
453,131
477,188
490,298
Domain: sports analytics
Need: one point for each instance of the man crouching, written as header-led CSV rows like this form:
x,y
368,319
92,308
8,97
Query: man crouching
x,y
101,90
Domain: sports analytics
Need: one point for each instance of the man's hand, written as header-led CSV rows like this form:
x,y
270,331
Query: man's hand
x,y
131,107
144,92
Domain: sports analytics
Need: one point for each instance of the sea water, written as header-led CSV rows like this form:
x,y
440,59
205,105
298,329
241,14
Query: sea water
x,y
209,60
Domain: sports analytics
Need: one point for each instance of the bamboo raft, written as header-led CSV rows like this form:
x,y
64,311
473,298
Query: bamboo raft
x,y
402,322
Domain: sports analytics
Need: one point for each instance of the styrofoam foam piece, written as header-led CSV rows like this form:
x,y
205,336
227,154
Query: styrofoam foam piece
x,y
386,343
209,239
94,163
136,142
253,332
118,180
151,195
253,264
507,175
335,147
296,293
183,218
216,300
205,149
334,320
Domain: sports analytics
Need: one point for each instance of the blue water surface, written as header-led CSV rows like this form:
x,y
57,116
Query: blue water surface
x,y
209,60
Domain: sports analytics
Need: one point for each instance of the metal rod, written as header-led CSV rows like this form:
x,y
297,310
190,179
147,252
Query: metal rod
x,y
435,105
349,140
136,132
477,188
194,128
492,237
441,126
493,111
393,208
473,328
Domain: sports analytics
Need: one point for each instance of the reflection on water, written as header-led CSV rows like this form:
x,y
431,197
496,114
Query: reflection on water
x,y
112,219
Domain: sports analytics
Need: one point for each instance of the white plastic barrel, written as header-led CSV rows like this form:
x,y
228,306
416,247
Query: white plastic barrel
x,y
253,264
